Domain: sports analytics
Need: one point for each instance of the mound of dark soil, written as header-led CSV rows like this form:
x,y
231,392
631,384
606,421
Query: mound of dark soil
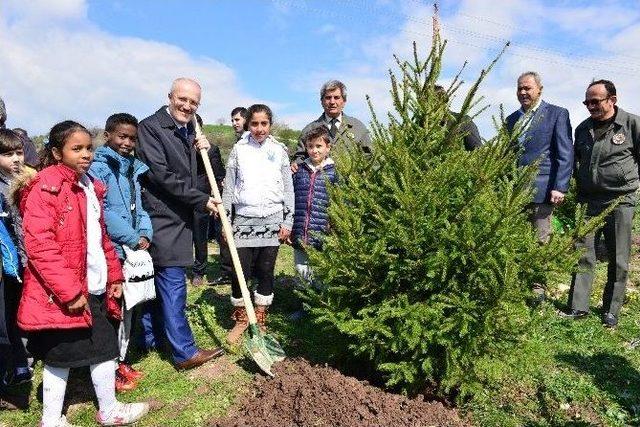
x,y
305,395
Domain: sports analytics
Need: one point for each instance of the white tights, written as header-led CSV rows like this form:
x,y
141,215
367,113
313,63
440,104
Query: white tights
x,y
54,385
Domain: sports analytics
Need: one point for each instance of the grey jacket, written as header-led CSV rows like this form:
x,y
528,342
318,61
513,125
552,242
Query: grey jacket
x,y
608,168
351,131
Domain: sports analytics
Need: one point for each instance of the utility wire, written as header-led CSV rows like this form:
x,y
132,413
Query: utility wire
x,y
576,60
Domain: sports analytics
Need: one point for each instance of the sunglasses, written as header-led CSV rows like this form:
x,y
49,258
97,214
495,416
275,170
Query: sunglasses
x,y
593,102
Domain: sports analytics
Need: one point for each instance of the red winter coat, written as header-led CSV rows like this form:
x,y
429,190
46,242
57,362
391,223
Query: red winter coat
x,y
54,212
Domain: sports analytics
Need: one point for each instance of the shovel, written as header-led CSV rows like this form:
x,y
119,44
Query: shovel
x,y
263,348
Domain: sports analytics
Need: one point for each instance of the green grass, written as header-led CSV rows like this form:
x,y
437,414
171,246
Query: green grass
x,y
564,373
179,398
567,373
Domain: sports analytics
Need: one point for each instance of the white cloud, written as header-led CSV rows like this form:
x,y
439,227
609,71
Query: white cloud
x,y
68,69
569,45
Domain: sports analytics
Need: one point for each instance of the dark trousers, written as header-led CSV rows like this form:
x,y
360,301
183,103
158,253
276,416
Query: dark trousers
x,y
617,237
152,325
260,263
17,356
169,314
200,240
226,265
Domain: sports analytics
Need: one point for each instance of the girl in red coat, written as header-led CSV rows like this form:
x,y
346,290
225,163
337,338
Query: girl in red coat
x,y
72,273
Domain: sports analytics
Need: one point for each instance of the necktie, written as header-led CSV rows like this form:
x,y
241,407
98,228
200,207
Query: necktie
x,y
333,129
183,132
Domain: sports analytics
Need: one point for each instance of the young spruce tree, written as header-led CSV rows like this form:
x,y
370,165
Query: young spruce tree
x,y
431,257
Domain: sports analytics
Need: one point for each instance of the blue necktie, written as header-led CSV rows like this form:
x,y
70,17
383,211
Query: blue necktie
x,y
183,132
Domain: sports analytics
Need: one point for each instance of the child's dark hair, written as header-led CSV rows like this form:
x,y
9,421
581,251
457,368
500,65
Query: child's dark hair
x,y
117,119
241,110
258,108
9,141
317,131
57,137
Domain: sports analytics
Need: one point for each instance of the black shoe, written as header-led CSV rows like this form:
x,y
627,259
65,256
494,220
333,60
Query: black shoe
x,y
575,314
17,377
609,320
220,280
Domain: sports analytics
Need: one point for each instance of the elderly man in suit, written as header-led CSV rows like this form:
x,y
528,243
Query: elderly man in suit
x,y
544,135
166,143
343,129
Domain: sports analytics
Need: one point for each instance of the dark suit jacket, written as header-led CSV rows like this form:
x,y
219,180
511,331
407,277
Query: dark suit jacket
x,y
548,139
472,138
170,193
351,131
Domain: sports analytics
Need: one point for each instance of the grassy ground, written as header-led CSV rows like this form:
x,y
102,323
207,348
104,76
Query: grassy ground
x,y
178,398
565,373
569,373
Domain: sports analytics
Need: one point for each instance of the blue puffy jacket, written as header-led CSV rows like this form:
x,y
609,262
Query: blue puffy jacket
x,y
126,221
8,249
311,218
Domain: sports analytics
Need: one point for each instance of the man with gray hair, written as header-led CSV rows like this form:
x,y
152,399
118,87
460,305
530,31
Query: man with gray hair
x,y
168,145
543,133
343,130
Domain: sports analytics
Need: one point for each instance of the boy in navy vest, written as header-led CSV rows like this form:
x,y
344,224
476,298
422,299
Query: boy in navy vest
x,y
310,183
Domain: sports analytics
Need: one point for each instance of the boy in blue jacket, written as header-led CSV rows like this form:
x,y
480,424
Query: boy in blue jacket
x,y
14,366
310,182
127,221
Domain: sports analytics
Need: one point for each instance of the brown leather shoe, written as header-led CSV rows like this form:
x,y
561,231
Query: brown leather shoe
x,y
201,357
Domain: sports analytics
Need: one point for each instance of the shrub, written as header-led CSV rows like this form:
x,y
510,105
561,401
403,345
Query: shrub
x,y
431,256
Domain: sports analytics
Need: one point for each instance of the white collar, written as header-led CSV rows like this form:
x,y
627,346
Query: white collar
x,y
328,119
327,161
178,125
531,111
252,140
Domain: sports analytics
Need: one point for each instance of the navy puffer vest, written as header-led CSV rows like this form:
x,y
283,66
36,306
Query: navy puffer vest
x,y
311,218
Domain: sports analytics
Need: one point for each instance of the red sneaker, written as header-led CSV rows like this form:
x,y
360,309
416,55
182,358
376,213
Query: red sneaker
x,y
128,372
124,384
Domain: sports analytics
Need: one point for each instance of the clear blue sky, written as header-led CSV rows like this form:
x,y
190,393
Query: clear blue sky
x,y
85,59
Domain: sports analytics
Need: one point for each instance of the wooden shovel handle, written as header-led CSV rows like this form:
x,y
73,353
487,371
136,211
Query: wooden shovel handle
x,y
226,229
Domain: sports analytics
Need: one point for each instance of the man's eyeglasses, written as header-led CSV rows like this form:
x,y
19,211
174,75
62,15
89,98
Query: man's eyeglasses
x,y
593,102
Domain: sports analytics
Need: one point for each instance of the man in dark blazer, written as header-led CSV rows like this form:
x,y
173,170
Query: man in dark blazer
x,y
544,135
343,129
167,145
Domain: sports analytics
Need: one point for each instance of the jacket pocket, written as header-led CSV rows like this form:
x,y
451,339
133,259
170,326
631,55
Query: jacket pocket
x,y
612,177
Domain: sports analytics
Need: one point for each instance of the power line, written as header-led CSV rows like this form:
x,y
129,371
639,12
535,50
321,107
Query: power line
x,y
574,61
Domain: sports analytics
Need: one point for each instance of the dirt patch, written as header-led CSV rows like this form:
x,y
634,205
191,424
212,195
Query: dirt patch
x,y
219,368
305,395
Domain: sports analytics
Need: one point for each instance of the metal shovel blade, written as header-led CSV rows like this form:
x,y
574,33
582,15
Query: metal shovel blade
x,y
263,348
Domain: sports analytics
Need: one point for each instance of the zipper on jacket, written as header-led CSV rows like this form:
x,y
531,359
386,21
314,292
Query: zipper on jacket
x,y
312,183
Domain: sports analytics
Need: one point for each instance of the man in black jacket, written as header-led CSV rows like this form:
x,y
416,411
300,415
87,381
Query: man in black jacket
x,y
201,219
469,129
167,145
